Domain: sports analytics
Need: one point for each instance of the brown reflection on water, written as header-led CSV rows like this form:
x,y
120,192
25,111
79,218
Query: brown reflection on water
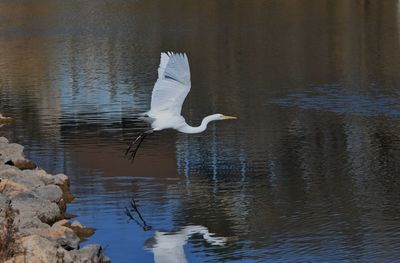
x,y
111,161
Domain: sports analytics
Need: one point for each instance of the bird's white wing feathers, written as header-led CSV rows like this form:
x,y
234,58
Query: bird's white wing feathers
x,y
172,85
163,64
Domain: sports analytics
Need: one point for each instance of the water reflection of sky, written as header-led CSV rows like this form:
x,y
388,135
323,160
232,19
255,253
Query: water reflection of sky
x,y
195,154
336,99
88,84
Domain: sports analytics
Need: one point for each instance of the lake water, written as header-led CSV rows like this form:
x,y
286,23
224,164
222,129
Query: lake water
x,y
309,172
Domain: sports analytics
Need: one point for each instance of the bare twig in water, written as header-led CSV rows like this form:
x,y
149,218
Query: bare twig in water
x,y
134,206
142,223
129,214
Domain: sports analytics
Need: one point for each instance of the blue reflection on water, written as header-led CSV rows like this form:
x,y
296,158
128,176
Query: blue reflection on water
x,y
333,98
196,154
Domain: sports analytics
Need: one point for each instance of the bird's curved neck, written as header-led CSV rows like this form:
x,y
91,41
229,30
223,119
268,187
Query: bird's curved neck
x,y
203,126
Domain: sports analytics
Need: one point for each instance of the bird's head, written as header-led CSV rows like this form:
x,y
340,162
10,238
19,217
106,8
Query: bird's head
x,y
224,117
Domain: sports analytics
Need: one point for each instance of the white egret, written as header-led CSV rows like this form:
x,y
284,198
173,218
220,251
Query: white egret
x,y
169,92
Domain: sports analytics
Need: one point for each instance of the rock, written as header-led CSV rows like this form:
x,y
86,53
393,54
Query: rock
x,y
69,216
81,231
43,209
4,119
4,207
90,253
68,197
45,177
76,223
39,249
22,164
25,223
11,188
62,205
11,152
4,201
23,259
16,175
41,175
61,180
62,222
63,236
52,193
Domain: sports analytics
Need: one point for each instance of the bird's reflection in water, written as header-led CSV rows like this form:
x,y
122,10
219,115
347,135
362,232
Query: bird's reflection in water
x,y
169,246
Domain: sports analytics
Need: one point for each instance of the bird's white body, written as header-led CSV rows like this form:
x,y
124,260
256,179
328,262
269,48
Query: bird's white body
x,y
170,90
165,120
169,93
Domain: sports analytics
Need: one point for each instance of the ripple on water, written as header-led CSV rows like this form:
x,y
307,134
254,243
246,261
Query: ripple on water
x,y
336,99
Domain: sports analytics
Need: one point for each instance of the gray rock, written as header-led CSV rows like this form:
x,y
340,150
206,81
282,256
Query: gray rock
x,y
62,222
90,253
3,140
11,152
16,175
52,193
76,223
66,237
42,175
11,188
24,223
4,206
63,236
4,201
28,206
61,180
37,247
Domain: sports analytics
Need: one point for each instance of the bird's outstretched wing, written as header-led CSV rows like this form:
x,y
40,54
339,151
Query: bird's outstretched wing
x,y
172,85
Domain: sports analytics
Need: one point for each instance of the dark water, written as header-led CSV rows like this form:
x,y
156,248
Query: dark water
x,y
308,173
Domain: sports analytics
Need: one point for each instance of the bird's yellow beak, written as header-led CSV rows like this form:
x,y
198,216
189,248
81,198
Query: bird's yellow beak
x,y
229,117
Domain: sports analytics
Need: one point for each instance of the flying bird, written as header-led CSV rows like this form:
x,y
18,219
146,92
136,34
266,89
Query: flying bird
x,y
169,93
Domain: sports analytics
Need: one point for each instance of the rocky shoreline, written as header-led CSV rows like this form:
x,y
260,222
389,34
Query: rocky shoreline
x,y
35,227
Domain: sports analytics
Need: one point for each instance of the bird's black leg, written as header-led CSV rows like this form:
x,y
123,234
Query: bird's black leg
x,y
140,139
133,143
134,151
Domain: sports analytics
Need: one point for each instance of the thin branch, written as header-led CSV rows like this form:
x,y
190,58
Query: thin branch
x,y
134,207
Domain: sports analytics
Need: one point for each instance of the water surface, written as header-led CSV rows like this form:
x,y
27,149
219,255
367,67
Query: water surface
x,y
309,171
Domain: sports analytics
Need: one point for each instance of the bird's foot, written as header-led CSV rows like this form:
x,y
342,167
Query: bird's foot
x,y
131,150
